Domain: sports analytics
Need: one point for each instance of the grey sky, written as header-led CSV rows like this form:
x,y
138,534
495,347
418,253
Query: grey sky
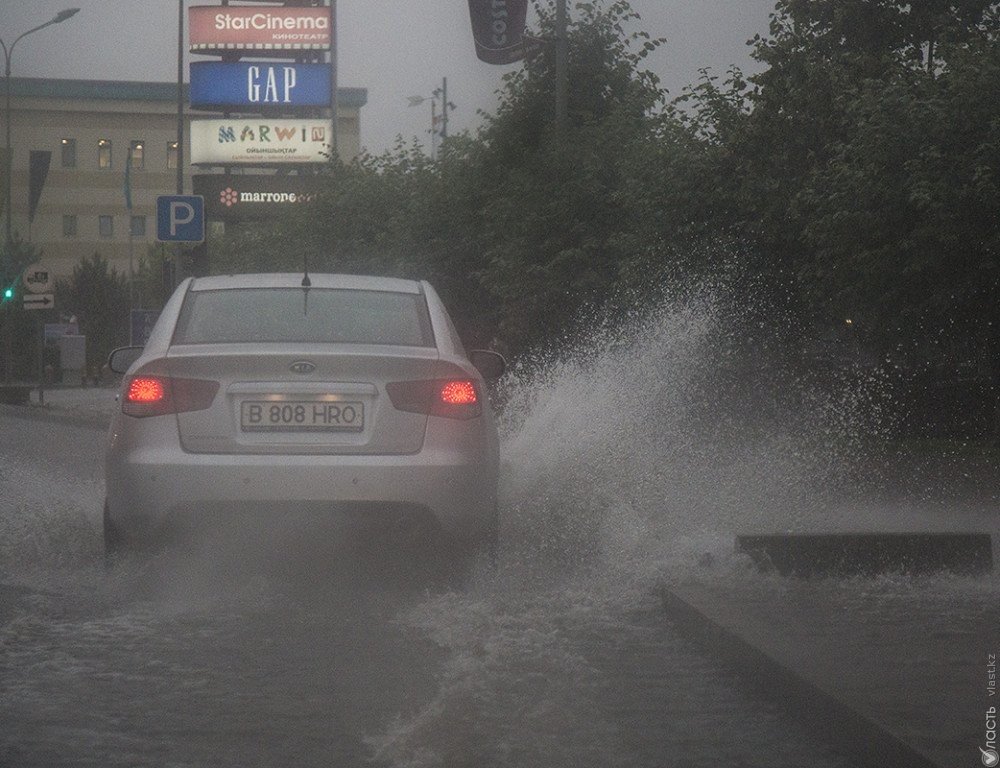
x,y
394,48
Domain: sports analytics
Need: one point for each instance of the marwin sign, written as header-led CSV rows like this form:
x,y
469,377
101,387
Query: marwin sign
x,y
260,142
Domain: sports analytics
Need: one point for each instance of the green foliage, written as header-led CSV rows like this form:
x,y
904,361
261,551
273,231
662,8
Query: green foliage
x,y
517,226
17,325
98,295
22,253
254,247
153,277
859,167
855,176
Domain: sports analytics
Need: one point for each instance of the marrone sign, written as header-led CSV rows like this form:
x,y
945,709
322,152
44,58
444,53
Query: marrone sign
x,y
249,198
226,28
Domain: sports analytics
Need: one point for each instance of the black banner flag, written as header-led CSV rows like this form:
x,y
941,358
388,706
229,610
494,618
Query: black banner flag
x,y
498,29
38,171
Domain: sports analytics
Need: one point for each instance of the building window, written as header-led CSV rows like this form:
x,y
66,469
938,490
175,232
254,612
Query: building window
x,y
104,154
172,155
106,226
69,225
68,153
137,226
135,152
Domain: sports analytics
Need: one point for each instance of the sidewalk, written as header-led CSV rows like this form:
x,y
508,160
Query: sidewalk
x,y
81,406
893,667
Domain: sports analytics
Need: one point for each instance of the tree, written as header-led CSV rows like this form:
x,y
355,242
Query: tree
x,y
549,207
861,154
154,277
99,297
517,226
861,168
18,338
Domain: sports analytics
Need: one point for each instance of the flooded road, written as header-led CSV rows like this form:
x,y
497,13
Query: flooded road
x,y
220,663
629,462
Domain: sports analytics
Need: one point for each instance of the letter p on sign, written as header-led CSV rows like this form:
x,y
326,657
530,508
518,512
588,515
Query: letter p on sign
x,y
180,218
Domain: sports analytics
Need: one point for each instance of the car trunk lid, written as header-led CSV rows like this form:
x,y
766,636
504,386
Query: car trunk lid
x,y
301,399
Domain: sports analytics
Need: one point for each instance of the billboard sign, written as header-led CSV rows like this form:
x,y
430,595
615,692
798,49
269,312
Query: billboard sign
x,y
260,141
498,29
249,198
259,84
248,28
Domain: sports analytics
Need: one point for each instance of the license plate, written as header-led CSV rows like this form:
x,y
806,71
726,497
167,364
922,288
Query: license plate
x,y
301,416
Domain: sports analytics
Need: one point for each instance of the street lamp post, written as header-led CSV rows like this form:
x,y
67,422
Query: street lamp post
x,y
7,53
8,159
438,94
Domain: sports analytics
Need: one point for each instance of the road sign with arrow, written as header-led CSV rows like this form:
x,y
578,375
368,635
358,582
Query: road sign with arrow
x,y
39,301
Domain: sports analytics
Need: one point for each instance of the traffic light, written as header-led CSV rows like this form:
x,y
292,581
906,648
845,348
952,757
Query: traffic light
x,y
8,293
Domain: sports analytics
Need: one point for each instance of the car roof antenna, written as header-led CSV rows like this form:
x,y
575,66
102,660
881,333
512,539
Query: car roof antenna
x,y
306,282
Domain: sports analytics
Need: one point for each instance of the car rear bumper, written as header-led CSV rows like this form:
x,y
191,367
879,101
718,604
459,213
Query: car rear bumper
x,y
156,484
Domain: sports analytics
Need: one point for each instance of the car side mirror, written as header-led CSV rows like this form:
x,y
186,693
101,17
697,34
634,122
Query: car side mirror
x,y
490,364
121,359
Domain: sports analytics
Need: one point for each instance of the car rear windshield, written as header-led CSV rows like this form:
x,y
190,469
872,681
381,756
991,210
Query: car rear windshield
x,y
319,315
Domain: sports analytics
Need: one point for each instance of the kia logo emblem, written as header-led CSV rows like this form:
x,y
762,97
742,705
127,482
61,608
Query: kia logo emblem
x,y
302,366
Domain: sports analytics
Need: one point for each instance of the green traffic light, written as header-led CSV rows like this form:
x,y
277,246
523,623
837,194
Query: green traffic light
x,y
8,294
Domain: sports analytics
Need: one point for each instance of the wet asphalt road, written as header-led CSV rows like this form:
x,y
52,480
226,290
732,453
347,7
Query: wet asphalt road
x,y
222,661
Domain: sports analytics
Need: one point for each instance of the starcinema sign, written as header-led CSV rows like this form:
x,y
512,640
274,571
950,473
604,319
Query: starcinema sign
x,y
271,28
260,142
241,198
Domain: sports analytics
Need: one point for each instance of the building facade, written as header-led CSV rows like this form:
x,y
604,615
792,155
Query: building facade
x,y
93,130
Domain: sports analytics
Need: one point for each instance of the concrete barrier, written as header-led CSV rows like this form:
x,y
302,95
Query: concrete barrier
x,y
14,394
769,667
868,554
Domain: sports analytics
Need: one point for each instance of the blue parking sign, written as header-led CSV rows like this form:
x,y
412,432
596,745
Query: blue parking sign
x,y
180,218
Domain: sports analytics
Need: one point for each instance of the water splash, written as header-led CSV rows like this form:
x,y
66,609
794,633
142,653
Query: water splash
x,y
632,453
681,423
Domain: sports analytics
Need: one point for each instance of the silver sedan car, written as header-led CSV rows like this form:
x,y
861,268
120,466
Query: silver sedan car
x,y
259,398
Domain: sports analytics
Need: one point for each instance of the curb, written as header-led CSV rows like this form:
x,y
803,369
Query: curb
x,y
85,419
867,740
869,554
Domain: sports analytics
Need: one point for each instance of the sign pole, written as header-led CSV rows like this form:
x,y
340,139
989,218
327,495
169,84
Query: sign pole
x,y
40,326
178,248
333,79
8,342
562,66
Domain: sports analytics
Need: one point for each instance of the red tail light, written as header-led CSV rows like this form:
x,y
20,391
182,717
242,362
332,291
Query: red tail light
x,y
458,393
451,398
146,395
146,390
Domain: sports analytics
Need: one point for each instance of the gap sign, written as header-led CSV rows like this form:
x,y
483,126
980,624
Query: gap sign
x,y
257,84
